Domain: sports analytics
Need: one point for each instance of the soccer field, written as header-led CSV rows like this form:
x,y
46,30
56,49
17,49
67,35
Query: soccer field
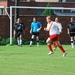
x,y
35,60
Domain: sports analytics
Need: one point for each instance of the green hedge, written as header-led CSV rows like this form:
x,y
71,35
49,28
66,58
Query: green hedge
x,y
14,41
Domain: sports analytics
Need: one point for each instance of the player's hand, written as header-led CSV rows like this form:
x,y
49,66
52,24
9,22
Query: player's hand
x,y
57,27
44,28
68,32
30,32
38,29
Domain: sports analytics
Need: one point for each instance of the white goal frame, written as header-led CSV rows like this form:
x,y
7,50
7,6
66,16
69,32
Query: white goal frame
x,y
11,7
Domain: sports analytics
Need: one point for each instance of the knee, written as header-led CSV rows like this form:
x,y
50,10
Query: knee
x,y
20,36
32,37
37,38
47,42
58,45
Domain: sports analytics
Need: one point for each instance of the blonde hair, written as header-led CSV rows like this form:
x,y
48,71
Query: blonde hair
x,y
49,17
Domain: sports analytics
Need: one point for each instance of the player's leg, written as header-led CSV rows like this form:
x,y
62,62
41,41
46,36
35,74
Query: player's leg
x,y
20,39
48,41
37,38
61,48
55,45
72,41
32,38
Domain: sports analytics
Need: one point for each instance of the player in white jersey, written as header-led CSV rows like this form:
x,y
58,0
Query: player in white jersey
x,y
54,35
60,31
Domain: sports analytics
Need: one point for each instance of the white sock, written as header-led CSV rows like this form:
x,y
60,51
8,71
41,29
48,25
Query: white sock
x,y
37,43
72,43
31,42
20,41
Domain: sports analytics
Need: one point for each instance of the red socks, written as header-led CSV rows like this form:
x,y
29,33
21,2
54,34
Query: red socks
x,y
50,48
62,49
55,45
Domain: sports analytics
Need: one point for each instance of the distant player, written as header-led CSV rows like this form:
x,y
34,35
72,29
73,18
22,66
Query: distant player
x,y
60,30
71,31
18,31
35,30
54,35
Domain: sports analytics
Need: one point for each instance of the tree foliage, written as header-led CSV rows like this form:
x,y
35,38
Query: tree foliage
x,y
47,12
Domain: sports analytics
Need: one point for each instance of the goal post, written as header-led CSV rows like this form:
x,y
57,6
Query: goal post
x,y
29,7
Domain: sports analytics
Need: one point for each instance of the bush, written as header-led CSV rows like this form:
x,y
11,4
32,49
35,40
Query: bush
x,y
24,41
27,42
2,41
42,41
14,41
1,38
7,40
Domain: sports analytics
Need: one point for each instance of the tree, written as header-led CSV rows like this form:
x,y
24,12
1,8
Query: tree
x,y
47,12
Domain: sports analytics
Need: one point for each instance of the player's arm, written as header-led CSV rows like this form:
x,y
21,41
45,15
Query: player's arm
x,y
31,27
40,26
14,32
23,28
68,32
47,28
60,28
31,30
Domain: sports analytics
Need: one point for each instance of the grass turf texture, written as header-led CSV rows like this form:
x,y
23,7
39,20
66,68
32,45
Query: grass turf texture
x,y
34,60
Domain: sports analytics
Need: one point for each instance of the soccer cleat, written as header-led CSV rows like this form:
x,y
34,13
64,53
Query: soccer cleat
x,y
37,45
54,49
30,45
72,46
50,53
64,54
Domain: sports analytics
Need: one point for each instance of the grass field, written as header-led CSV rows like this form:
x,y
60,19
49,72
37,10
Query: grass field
x,y
34,60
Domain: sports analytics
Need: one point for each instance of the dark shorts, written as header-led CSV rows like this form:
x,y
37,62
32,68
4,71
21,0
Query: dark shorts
x,y
35,33
19,33
72,34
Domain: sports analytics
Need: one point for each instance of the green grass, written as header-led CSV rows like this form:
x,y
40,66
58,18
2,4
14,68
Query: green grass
x,y
34,60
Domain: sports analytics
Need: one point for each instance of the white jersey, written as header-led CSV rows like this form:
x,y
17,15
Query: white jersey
x,y
52,27
60,27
